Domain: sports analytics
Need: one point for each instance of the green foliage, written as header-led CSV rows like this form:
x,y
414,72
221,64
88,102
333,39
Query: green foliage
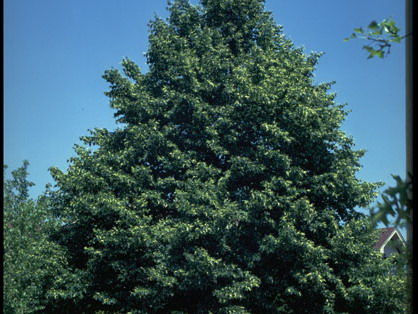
x,y
228,187
380,36
34,268
397,202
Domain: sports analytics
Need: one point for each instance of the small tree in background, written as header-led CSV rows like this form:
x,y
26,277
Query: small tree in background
x,y
228,188
34,268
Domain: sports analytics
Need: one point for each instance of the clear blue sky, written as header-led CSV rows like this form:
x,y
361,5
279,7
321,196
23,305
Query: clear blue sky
x,y
56,51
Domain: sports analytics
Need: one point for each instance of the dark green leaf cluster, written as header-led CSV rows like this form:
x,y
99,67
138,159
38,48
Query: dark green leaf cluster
x,y
228,188
397,202
35,271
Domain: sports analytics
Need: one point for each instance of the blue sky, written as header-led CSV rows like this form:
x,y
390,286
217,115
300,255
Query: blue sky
x,y
56,51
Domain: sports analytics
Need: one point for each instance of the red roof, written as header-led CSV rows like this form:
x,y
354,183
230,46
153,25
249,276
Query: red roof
x,y
385,233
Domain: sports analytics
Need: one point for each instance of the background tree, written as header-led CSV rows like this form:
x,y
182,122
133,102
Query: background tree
x,y
229,186
34,268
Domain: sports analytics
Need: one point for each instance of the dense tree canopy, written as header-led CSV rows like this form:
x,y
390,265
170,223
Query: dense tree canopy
x,y
229,186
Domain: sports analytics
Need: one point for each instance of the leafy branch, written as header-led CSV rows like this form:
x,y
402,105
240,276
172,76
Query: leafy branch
x,y
380,36
397,202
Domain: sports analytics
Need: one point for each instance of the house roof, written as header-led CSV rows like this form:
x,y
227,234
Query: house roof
x,y
385,235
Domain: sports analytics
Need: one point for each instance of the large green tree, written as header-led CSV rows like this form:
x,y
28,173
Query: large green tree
x,y
228,187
